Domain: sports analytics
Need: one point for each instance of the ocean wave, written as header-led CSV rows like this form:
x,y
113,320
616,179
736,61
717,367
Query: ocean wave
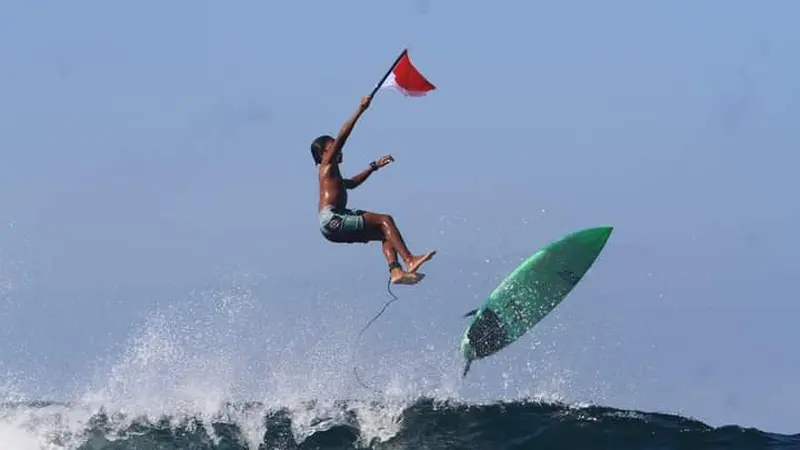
x,y
424,424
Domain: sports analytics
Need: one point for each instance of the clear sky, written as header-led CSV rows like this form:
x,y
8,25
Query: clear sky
x,y
155,162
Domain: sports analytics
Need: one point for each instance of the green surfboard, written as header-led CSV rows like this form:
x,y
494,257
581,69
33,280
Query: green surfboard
x,y
531,292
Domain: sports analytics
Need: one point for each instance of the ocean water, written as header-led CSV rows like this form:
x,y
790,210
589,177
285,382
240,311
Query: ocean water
x,y
177,389
189,378
422,424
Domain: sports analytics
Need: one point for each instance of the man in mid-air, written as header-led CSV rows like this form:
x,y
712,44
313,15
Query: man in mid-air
x,y
341,225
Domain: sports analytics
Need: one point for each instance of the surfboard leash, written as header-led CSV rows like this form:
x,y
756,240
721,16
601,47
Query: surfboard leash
x,y
360,333
389,288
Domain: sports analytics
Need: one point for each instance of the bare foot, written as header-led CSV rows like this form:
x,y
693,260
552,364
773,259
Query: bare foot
x,y
417,261
401,277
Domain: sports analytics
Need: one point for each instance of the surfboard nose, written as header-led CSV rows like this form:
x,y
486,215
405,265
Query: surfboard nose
x,y
600,233
606,232
595,238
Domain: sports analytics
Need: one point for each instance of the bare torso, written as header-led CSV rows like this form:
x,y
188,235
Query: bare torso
x,y
332,191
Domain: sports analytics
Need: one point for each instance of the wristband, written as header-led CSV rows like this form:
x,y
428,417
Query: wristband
x,y
373,165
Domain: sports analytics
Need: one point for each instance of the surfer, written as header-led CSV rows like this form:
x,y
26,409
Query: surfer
x,y
339,224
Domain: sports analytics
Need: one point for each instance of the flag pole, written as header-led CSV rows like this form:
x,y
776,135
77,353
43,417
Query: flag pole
x,y
388,72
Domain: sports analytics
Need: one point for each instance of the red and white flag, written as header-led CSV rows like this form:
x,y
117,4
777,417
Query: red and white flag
x,y
404,77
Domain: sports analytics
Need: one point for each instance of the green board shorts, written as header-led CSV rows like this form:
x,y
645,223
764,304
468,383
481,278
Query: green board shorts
x,y
343,225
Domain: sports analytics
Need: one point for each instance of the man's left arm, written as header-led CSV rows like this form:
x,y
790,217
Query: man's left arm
x,y
354,182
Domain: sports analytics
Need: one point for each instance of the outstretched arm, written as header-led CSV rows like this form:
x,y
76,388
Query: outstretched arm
x,y
352,183
344,133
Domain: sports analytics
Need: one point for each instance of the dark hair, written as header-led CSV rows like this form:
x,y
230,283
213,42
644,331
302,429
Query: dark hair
x,y
318,146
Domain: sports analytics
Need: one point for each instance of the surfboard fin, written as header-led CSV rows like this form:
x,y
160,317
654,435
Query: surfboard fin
x,y
471,313
466,368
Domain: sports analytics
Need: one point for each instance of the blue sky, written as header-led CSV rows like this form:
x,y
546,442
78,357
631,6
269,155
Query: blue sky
x,y
153,153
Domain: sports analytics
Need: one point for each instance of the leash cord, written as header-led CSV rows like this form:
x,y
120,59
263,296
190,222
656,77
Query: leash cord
x,y
360,333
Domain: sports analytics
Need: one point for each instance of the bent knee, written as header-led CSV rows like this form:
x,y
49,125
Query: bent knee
x,y
387,220
379,220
